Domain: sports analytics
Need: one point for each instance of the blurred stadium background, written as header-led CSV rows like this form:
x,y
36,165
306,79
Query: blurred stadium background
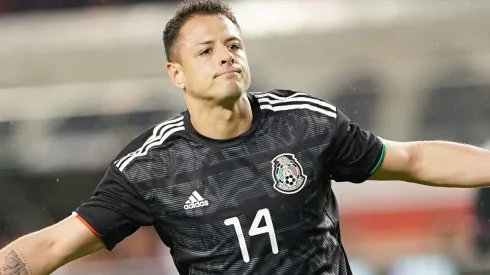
x,y
81,78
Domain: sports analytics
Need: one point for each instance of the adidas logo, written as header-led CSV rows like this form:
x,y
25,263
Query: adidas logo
x,y
195,201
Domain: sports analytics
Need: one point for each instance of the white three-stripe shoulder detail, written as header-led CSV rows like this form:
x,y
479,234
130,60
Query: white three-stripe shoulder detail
x,y
160,133
296,101
281,97
299,106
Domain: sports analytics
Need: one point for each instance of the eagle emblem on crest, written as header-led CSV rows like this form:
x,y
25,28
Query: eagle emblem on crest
x,y
287,174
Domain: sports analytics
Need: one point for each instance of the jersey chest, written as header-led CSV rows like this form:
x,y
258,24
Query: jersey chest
x,y
242,182
276,164
248,206
257,196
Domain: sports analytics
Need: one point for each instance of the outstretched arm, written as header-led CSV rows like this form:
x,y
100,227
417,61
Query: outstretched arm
x,y
356,155
114,212
44,251
435,163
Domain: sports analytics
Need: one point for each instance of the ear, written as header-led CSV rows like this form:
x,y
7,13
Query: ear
x,y
176,75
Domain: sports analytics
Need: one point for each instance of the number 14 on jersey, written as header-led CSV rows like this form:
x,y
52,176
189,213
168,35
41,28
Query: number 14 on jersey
x,y
255,230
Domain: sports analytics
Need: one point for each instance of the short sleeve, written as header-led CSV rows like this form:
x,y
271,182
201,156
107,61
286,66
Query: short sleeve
x,y
115,210
354,154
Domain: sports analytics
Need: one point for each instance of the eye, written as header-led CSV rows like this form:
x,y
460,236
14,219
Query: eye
x,y
234,46
205,52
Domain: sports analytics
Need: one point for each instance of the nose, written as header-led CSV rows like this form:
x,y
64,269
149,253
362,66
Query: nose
x,y
227,57
230,60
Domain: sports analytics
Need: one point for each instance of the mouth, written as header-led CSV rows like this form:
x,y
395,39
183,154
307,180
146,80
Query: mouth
x,y
229,72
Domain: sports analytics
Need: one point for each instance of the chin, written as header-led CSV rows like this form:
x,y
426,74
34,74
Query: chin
x,y
231,94
232,89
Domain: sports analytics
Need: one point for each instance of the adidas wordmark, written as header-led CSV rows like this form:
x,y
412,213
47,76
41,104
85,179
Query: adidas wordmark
x,y
195,201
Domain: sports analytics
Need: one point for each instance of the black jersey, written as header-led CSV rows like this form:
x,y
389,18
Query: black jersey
x,y
260,203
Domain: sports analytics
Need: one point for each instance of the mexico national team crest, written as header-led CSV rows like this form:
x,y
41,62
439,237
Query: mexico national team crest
x,y
287,174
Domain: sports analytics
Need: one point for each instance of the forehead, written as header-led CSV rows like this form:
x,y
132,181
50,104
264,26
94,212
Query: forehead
x,y
207,27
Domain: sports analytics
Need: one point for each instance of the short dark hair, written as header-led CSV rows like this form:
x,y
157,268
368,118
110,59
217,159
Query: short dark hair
x,y
188,10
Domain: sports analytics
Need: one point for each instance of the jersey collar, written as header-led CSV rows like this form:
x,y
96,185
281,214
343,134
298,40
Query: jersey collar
x,y
256,121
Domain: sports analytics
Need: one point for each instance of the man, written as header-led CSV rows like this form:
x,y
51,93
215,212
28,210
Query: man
x,y
239,183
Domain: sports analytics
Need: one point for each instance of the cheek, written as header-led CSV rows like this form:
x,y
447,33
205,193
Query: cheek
x,y
199,76
248,79
245,67
242,58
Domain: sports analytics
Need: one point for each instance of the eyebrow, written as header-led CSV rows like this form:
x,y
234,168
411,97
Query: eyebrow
x,y
208,42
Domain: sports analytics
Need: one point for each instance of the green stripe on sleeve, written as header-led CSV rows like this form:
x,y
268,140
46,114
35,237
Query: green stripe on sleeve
x,y
381,158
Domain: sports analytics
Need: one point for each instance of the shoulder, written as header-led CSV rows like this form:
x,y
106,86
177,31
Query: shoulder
x,y
158,135
280,100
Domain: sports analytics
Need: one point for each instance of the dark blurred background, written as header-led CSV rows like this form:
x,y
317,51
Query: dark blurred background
x,y
14,6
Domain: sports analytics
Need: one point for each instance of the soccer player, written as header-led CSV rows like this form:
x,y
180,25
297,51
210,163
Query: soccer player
x,y
239,183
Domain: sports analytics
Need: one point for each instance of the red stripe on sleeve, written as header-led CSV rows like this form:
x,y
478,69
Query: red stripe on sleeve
x,y
88,226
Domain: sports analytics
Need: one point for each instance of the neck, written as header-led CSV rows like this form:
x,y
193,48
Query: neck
x,y
220,121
